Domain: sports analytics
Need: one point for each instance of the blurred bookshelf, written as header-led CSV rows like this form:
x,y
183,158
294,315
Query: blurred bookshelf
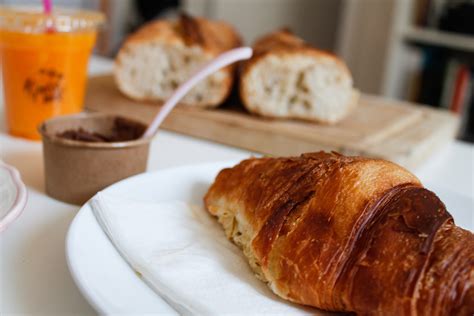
x,y
423,35
416,50
441,32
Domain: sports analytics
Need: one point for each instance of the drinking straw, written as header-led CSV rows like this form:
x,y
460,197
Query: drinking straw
x,y
47,6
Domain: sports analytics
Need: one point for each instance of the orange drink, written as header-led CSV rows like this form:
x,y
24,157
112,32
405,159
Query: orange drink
x,y
44,64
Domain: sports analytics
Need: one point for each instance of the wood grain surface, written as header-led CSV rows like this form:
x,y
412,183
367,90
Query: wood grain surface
x,y
378,127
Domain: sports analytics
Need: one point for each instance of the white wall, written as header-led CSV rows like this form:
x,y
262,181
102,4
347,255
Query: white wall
x,y
364,40
314,20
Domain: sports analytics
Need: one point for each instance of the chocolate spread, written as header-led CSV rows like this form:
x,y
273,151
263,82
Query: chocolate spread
x,y
123,130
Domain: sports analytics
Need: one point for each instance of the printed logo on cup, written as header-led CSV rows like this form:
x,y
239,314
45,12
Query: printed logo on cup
x,y
45,85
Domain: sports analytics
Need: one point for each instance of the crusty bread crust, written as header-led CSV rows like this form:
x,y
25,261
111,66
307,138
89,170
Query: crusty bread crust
x,y
284,41
213,37
196,39
284,46
347,234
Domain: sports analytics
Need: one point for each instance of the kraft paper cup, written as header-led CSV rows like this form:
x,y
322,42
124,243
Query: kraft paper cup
x,y
76,170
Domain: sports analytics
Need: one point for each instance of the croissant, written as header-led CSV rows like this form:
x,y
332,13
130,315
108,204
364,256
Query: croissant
x,y
346,234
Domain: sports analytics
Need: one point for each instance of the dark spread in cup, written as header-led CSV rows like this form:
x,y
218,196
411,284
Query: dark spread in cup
x,y
123,130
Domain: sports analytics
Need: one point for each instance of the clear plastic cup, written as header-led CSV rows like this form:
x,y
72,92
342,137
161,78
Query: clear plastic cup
x,y
44,64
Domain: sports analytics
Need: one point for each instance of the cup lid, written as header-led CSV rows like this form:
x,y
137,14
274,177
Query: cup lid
x,y
32,19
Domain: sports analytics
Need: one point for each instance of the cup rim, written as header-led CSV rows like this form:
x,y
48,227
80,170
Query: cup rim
x,y
32,19
84,144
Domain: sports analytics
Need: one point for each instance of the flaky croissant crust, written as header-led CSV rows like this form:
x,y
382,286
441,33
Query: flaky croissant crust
x,y
347,234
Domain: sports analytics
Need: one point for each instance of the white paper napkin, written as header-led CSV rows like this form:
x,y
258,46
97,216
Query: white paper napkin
x,y
183,254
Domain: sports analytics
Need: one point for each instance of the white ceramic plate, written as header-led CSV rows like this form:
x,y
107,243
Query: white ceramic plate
x,y
106,280
13,195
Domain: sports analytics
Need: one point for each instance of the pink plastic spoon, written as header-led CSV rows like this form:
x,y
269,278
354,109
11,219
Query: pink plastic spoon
x,y
209,68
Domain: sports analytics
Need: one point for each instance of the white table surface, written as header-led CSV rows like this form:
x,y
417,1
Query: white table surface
x,y
34,278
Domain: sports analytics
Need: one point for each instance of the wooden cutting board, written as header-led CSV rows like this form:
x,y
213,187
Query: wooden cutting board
x,y
378,127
